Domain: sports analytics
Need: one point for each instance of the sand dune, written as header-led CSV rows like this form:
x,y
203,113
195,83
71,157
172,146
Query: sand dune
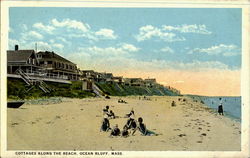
x,y
74,124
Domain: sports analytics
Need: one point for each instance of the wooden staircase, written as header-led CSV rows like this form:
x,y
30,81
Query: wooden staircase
x,y
97,90
32,83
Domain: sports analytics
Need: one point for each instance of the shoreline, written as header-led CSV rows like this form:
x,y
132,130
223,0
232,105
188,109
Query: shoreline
x,y
58,99
188,126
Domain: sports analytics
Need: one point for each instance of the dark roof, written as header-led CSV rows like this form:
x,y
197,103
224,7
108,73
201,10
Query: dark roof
x,y
88,71
50,55
19,55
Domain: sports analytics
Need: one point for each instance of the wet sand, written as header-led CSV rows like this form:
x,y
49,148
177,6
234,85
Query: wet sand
x,y
74,124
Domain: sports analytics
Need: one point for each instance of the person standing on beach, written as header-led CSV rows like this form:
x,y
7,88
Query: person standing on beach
x,y
106,111
105,124
132,113
220,107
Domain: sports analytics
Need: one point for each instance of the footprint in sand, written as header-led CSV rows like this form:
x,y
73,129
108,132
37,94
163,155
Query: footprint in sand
x,y
203,134
57,117
14,124
38,119
182,135
199,141
49,122
200,128
177,129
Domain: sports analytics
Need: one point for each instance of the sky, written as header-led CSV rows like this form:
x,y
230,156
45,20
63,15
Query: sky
x,y
197,51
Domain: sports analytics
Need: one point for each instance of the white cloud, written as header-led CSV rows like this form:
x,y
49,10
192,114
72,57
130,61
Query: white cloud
x,y
200,29
71,24
31,35
117,58
43,46
47,28
222,49
58,45
106,33
52,41
67,29
12,43
122,49
167,50
62,39
24,27
166,32
129,47
147,32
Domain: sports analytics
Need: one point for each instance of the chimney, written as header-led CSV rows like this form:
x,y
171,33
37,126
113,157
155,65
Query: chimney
x,y
16,47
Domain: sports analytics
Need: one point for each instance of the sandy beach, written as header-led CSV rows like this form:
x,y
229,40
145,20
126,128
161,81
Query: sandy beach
x,y
74,124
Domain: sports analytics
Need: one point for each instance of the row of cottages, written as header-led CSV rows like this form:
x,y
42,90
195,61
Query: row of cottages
x,y
45,64
101,77
23,59
150,82
58,66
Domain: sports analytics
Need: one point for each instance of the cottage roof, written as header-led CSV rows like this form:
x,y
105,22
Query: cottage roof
x,y
88,71
51,55
19,55
150,80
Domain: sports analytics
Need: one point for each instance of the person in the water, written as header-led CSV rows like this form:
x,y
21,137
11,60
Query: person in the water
x,y
220,107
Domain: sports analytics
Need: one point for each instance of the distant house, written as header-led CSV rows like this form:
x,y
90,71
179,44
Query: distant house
x,y
22,59
58,66
106,77
118,79
91,75
134,81
150,82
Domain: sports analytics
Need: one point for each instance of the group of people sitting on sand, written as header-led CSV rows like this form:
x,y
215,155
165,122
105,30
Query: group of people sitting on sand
x,y
131,126
122,101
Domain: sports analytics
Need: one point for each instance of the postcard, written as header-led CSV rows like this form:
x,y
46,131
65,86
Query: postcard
x,y
124,79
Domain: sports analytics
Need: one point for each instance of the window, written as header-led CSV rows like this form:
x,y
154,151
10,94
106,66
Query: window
x,y
39,56
29,60
49,62
33,61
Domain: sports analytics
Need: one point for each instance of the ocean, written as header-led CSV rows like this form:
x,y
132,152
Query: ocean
x,y
231,105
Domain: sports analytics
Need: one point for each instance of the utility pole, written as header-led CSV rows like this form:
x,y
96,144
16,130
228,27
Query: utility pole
x,y
36,47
